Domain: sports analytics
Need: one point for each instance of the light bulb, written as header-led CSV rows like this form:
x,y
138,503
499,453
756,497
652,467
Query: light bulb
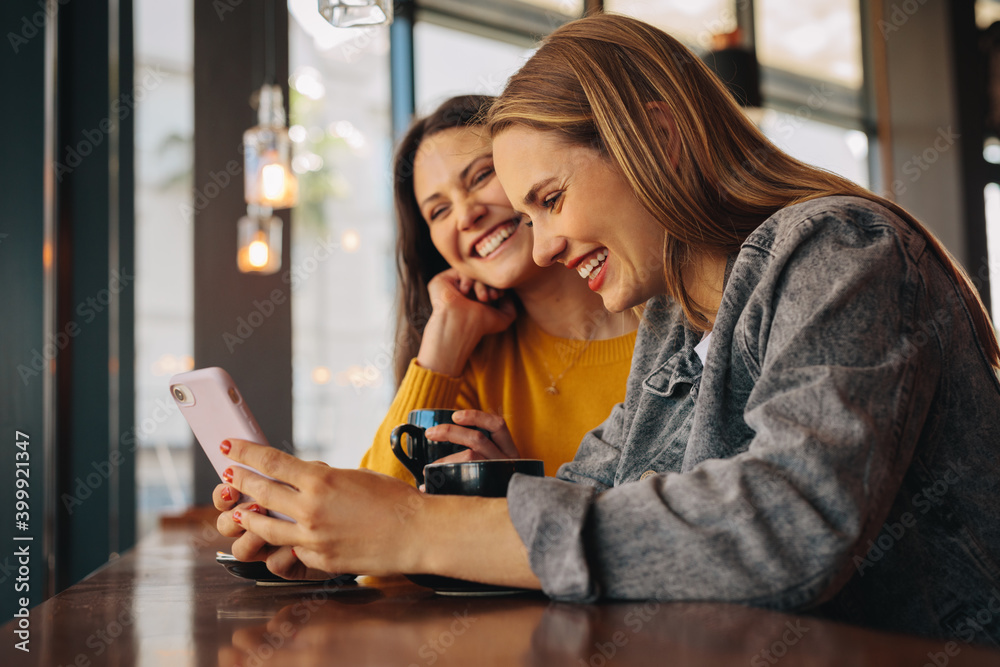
x,y
258,253
273,182
268,178
259,242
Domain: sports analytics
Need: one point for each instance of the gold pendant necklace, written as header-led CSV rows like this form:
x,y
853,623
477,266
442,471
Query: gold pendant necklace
x,y
551,390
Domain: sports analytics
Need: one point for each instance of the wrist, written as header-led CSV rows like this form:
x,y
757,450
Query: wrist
x,y
424,536
445,348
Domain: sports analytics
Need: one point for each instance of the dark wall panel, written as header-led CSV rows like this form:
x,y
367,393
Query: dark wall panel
x,y
242,322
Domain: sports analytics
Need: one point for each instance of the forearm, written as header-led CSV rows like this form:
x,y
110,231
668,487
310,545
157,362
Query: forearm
x,y
471,538
446,345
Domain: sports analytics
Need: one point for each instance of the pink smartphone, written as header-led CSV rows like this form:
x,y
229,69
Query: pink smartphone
x,y
215,410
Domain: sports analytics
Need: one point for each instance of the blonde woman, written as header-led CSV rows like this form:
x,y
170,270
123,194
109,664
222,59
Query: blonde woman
x,y
813,409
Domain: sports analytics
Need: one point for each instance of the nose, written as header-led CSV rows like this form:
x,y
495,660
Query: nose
x,y
546,247
469,212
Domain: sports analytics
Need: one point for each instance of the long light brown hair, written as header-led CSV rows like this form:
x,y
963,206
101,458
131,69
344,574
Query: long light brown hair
x,y
599,82
417,260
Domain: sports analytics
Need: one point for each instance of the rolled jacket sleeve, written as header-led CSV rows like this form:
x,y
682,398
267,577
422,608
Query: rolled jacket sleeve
x,y
549,515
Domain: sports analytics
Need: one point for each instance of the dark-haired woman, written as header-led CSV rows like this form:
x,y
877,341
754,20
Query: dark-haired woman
x,y
544,362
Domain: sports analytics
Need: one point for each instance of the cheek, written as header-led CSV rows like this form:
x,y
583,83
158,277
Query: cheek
x,y
443,240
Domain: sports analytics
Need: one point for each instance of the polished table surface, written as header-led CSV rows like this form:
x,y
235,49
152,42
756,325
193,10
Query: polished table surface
x,y
167,602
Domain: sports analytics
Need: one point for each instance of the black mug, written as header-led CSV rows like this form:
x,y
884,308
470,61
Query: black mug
x,y
421,450
487,478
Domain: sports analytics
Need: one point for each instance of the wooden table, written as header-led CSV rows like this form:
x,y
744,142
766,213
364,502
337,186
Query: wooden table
x,y
167,602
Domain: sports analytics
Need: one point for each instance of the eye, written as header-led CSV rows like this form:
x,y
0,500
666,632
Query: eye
x,y
551,200
436,213
482,175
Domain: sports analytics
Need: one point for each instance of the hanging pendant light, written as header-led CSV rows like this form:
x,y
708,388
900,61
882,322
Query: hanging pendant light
x,y
259,238
354,13
268,181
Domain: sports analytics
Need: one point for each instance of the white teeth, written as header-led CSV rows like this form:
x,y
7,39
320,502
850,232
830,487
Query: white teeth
x,y
493,241
590,267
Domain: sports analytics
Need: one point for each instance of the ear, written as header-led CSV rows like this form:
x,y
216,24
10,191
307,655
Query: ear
x,y
662,115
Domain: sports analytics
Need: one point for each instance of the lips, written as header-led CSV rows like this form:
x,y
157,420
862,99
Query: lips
x,y
494,238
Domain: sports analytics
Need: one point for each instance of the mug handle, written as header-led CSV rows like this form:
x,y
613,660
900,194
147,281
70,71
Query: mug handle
x,y
414,466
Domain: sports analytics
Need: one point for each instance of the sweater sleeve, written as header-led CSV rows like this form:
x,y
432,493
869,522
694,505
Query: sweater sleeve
x,y
836,410
421,388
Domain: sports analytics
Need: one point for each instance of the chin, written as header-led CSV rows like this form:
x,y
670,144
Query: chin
x,y
614,305
619,303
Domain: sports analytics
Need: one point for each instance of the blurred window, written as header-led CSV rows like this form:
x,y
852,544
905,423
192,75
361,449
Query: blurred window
x,y
451,62
818,39
811,70
164,251
342,235
691,21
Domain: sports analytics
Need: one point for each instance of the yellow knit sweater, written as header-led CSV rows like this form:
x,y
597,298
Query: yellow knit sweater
x,y
508,374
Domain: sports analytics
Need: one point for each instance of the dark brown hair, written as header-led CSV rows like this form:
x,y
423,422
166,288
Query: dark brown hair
x,y
417,260
600,82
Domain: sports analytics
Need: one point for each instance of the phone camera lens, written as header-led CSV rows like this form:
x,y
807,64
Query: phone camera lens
x,y
179,394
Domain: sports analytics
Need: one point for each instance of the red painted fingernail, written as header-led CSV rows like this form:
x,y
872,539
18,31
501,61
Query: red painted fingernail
x,y
256,508
236,516
226,494
227,475
226,446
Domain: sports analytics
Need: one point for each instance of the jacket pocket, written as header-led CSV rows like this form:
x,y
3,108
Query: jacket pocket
x,y
676,376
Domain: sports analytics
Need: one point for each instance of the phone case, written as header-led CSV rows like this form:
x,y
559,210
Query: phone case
x,y
215,410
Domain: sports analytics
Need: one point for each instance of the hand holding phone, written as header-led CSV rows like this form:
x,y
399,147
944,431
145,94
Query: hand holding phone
x,y
215,411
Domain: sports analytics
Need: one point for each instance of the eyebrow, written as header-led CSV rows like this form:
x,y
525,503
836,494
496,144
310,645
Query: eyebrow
x,y
462,176
532,197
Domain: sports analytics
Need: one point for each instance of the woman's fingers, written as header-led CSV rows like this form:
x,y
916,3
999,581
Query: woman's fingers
x,y
250,547
286,562
230,528
495,424
274,493
265,460
461,457
273,531
482,292
477,441
225,497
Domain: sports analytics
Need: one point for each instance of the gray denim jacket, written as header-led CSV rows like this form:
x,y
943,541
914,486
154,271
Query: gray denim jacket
x,y
838,453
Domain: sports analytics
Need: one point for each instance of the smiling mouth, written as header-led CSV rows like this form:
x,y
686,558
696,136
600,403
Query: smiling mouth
x,y
592,267
494,239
